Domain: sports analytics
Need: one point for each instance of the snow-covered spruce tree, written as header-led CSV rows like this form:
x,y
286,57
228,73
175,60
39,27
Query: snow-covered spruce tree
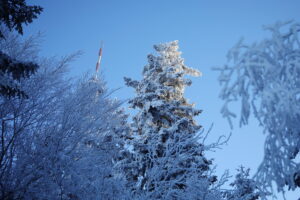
x,y
166,160
265,78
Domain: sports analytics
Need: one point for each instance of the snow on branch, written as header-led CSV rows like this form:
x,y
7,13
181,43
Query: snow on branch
x,y
265,79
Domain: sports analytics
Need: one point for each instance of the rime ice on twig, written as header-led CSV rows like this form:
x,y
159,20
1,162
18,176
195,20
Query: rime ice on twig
x,y
265,77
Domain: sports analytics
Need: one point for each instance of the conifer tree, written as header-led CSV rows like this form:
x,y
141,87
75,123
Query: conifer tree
x,y
13,15
166,160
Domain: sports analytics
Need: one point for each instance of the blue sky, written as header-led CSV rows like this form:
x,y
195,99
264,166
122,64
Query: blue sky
x,y
206,30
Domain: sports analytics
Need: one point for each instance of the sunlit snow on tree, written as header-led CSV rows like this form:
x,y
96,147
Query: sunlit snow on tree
x,y
167,160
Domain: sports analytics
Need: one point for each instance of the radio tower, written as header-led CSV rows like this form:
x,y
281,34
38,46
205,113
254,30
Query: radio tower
x,y
99,60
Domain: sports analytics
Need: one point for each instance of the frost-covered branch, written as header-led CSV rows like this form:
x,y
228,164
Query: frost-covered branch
x,y
265,78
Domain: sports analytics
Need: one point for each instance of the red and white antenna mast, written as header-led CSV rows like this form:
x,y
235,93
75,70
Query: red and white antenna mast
x,y
99,59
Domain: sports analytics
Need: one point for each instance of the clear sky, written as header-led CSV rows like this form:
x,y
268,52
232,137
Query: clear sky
x,y
206,30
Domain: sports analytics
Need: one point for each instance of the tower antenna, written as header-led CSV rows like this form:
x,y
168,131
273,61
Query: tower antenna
x,y
99,59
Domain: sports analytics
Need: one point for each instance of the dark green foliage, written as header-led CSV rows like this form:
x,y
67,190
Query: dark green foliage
x,y
15,13
14,70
